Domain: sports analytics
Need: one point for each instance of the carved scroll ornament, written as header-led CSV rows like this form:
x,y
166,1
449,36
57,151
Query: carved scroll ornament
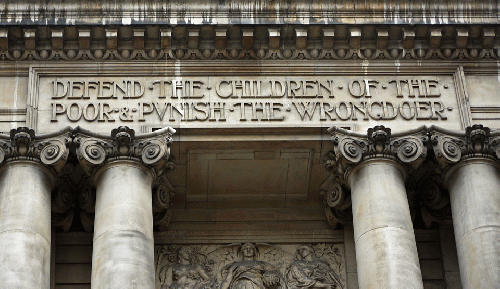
x,y
337,200
408,148
73,190
50,150
350,149
477,142
151,150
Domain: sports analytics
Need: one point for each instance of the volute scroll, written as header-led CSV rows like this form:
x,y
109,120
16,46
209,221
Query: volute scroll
x,y
151,150
50,150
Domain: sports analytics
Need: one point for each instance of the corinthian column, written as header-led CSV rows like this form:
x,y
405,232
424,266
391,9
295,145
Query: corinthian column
x,y
27,174
374,167
470,163
124,168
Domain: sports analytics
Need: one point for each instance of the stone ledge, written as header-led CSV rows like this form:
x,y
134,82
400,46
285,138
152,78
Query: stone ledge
x,y
107,12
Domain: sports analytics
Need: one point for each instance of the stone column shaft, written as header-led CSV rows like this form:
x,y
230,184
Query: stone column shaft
x,y
27,176
25,225
386,251
123,253
471,166
474,187
124,167
374,167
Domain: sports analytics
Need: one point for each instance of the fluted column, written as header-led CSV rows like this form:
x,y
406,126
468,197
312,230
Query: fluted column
x,y
470,163
373,166
124,168
27,176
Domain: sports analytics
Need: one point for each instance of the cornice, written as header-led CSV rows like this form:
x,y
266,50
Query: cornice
x,y
279,42
110,12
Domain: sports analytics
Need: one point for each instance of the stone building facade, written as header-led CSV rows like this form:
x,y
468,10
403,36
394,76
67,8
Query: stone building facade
x,y
249,144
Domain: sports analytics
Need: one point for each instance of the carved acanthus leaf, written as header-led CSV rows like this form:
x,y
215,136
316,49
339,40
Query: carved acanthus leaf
x,y
22,144
407,148
162,195
451,147
337,201
152,150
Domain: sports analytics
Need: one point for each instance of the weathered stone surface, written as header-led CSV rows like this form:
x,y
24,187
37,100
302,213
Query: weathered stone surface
x,y
255,180
238,11
372,166
123,254
470,162
27,175
263,265
310,96
386,251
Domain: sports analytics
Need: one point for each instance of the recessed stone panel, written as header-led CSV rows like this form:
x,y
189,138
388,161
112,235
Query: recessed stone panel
x,y
248,97
248,178
250,265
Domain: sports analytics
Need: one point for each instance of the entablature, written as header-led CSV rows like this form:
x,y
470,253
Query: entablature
x,y
280,41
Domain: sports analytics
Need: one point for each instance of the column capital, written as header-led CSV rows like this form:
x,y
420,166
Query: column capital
x,y
151,150
451,147
51,150
350,149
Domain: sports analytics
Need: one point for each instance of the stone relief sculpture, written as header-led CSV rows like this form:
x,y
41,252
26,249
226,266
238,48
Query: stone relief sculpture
x,y
250,273
306,271
250,266
186,272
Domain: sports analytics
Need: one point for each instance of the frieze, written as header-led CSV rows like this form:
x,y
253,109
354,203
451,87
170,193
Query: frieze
x,y
260,54
104,101
250,265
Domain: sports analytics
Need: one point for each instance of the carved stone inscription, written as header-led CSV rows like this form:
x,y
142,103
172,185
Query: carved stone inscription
x,y
245,101
250,265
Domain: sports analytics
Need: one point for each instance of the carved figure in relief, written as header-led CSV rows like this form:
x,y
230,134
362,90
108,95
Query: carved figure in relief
x,y
185,274
307,271
250,273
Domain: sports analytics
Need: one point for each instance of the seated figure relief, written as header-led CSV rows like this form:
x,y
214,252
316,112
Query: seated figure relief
x,y
185,274
250,266
250,273
307,271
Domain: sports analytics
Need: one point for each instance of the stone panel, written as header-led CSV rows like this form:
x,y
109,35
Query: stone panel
x,y
250,264
269,98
